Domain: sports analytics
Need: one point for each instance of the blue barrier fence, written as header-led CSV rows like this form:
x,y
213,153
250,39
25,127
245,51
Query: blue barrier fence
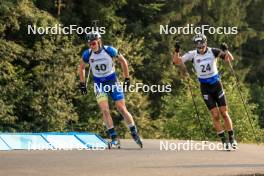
x,y
51,141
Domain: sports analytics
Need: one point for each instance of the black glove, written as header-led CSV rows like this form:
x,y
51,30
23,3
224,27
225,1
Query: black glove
x,y
126,83
83,88
224,47
177,46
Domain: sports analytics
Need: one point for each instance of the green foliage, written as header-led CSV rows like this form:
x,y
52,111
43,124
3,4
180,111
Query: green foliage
x,y
39,73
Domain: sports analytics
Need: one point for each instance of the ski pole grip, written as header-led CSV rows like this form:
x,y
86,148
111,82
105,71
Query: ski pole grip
x,y
177,46
224,47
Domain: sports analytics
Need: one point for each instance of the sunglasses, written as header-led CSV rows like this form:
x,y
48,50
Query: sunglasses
x,y
200,47
92,43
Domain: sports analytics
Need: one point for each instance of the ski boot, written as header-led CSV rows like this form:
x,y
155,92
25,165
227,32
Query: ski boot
x,y
137,139
233,143
226,144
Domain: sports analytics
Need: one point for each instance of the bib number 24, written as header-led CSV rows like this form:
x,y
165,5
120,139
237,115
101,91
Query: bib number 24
x,y
205,68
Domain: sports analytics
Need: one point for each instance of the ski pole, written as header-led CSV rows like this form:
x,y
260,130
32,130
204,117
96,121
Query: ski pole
x,y
87,80
192,95
194,103
243,100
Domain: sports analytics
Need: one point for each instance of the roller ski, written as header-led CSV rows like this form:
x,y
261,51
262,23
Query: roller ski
x,y
114,144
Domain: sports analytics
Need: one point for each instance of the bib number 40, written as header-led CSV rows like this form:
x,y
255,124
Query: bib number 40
x,y
205,68
101,67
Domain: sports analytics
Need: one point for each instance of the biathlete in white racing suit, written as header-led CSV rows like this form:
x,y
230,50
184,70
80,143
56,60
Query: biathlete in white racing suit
x,y
101,60
204,60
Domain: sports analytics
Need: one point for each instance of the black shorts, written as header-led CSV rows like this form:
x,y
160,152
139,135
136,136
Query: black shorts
x,y
213,95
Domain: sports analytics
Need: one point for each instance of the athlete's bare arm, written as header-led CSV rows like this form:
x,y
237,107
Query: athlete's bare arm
x,y
82,71
124,65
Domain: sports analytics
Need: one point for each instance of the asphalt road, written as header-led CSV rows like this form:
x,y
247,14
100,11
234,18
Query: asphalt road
x,y
130,160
